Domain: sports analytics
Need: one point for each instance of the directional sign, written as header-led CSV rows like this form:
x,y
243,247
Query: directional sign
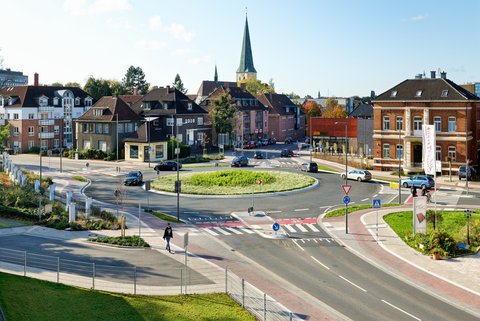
x,y
377,203
346,199
276,226
260,182
346,188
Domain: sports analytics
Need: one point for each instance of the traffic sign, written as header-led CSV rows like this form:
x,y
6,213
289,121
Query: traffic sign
x,y
260,182
377,203
276,226
346,188
346,199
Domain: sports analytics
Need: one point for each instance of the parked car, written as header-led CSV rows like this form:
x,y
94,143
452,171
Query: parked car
x,y
258,155
258,143
287,153
288,140
309,167
265,142
168,166
133,178
249,145
272,141
419,181
358,175
466,172
239,161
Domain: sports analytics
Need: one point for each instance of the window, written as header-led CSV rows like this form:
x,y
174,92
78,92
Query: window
x,y
170,121
399,123
386,151
105,129
146,105
31,116
393,94
15,116
86,144
165,106
15,131
190,106
444,93
159,152
399,153
55,101
56,129
88,102
418,93
31,131
437,121
386,122
102,145
98,128
452,124
134,151
128,127
452,153
180,138
31,143
121,128
97,112
200,120
56,143
77,101
44,144
84,128
438,153
200,137
417,123
179,121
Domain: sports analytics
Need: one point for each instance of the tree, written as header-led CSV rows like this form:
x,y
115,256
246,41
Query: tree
x,y
335,112
117,87
292,95
308,97
223,114
56,84
256,87
97,88
4,135
312,109
178,83
271,84
72,84
135,78
152,88
330,103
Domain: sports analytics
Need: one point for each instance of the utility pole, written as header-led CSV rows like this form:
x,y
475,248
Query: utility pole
x,y
177,151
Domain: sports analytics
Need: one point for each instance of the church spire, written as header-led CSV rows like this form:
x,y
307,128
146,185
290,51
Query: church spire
x,y
246,69
215,77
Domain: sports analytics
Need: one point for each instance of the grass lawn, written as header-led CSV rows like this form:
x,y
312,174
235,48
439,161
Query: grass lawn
x,y
3,225
29,299
234,182
452,222
79,178
206,165
165,217
353,208
326,168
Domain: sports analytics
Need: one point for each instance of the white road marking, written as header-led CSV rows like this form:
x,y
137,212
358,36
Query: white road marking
x,y
235,231
328,240
365,199
375,195
301,228
275,211
324,206
351,203
210,231
256,227
313,228
290,228
301,248
347,280
221,231
328,225
326,210
301,209
246,230
395,307
191,212
326,267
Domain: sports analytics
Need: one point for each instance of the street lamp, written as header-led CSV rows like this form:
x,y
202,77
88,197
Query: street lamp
x,y
346,170
311,138
177,183
400,155
148,120
467,214
116,127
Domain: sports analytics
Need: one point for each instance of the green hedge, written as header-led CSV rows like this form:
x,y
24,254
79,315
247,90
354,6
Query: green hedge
x,y
231,178
134,240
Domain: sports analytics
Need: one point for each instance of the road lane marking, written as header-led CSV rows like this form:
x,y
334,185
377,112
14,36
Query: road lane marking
x,y
290,228
325,206
395,307
235,231
365,199
313,228
328,225
347,280
191,212
221,231
375,195
301,248
246,230
326,267
301,228
275,211
301,209
210,232
256,227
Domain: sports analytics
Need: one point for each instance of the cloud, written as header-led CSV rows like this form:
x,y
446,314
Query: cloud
x,y
418,17
122,24
178,31
180,52
150,44
155,23
93,7
198,60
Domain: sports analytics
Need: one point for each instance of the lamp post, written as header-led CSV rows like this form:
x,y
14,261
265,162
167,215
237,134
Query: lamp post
x,y
400,155
147,129
346,170
178,184
311,138
467,214
466,149
116,127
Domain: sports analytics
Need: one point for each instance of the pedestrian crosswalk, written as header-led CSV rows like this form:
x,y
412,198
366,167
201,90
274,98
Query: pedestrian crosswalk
x,y
244,230
273,163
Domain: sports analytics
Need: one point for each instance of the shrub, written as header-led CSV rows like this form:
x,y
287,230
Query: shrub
x,y
231,178
122,241
442,240
34,150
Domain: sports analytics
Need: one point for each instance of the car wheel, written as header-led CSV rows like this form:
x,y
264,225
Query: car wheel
x,y
359,179
174,168
459,178
405,185
343,176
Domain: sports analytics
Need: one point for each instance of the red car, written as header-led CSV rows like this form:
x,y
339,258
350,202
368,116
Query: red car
x,y
249,145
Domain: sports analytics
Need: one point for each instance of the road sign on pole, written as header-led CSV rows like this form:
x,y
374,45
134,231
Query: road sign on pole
x,y
346,199
260,182
346,188
377,203
276,226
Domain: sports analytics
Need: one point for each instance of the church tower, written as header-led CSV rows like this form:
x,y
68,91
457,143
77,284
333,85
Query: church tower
x,y
246,70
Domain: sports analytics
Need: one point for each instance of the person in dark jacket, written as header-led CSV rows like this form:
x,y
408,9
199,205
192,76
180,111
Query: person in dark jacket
x,y
414,191
167,235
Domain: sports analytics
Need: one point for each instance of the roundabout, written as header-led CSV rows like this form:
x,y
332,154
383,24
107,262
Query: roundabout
x,y
235,182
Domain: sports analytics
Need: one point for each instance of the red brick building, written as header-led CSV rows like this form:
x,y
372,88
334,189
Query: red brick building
x,y
400,112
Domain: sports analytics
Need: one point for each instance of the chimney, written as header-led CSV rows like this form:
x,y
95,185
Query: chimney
x,y
35,79
168,89
418,76
433,74
135,91
443,75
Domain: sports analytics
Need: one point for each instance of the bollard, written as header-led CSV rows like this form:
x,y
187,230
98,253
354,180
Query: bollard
x,y
243,293
58,269
134,280
226,280
264,307
93,276
25,264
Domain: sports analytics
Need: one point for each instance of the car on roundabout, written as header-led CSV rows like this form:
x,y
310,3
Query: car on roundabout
x,y
309,167
466,172
133,178
418,181
360,175
239,161
287,153
258,154
168,166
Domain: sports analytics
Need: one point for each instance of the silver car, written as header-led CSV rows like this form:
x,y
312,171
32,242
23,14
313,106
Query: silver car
x,y
360,175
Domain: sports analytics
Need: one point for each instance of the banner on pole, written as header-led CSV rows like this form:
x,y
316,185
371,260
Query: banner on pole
x,y
420,214
429,149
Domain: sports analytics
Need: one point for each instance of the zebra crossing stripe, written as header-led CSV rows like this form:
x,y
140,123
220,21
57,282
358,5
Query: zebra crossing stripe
x,y
246,230
256,227
289,228
221,231
301,228
211,232
235,231
313,228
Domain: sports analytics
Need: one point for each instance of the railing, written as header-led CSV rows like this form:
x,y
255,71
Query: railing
x,y
46,135
45,109
46,122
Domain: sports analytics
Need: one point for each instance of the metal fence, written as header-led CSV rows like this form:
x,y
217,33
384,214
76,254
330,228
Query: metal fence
x,y
144,280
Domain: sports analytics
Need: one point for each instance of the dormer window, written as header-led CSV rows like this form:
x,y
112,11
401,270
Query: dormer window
x,y
146,105
98,112
55,101
43,101
393,93
418,93
77,101
445,93
165,106
88,102
189,106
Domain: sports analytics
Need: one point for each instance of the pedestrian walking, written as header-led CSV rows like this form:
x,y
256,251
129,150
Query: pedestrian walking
x,y
167,235
414,191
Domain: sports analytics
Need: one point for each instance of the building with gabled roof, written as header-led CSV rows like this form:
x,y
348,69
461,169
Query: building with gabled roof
x,y
400,112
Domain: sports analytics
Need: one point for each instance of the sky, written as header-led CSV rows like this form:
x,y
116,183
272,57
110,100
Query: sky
x,y
338,47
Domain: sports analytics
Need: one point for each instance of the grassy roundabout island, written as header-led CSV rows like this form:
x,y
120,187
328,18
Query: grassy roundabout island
x,y
234,182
